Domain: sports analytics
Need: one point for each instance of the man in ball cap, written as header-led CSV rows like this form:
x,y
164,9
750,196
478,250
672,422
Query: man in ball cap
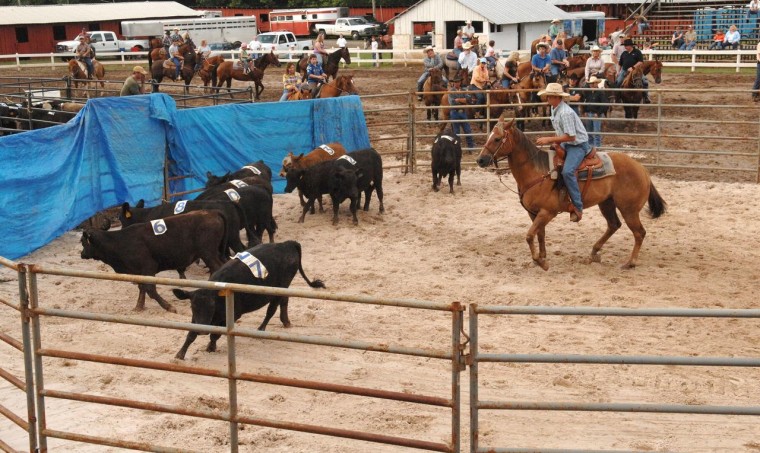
x,y
480,79
83,52
457,99
573,138
135,82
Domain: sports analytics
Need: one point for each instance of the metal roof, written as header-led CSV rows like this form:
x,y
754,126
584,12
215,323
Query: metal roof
x,y
92,12
503,12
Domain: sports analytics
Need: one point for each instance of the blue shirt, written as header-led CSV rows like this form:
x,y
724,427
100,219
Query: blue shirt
x,y
559,55
313,69
540,62
566,121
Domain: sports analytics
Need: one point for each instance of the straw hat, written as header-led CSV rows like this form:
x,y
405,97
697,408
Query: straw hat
x,y
140,69
596,48
469,22
553,89
466,46
556,21
593,79
429,48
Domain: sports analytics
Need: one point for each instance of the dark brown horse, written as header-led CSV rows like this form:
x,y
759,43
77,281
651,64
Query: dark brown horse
x,y
208,69
525,93
160,70
627,191
634,80
78,73
343,84
432,84
578,61
154,44
227,71
330,66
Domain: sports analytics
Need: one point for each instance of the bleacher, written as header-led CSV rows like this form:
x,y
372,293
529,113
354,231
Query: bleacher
x,y
704,16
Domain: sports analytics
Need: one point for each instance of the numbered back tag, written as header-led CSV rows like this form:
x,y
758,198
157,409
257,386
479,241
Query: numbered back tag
x,y
179,208
327,149
348,158
238,183
257,268
233,195
159,226
253,170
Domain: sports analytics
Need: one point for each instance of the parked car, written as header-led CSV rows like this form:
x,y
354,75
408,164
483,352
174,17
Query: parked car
x,y
282,40
355,27
422,40
381,27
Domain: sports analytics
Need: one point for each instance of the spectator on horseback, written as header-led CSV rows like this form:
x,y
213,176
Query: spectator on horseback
x,y
677,39
468,31
595,64
176,57
341,41
458,43
175,36
689,39
571,135
732,38
457,98
541,62
166,41
559,64
467,59
431,60
134,83
245,59
510,69
319,48
490,54
718,38
554,28
480,80
315,75
289,81
628,60
595,96
84,53
205,51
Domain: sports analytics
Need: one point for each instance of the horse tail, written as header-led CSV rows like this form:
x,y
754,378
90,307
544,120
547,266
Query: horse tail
x,y
657,205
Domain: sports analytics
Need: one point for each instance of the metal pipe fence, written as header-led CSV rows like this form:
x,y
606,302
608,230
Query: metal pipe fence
x,y
476,357
451,353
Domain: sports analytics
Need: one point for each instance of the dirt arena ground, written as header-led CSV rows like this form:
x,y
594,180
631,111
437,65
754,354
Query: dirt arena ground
x,y
466,247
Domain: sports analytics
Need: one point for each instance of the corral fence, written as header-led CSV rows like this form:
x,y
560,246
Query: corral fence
x,y
32,311
462,350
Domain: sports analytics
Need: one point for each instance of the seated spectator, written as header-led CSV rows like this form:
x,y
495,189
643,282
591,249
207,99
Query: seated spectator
x,y
689,39
754,7
732,38
718,38
648,44
677,39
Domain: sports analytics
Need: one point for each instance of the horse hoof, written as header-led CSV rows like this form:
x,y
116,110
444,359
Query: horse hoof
x,y
628,265
595,259
542,264
170,309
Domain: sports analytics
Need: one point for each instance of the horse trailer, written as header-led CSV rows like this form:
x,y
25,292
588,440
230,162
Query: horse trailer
x,y
215,30
301,21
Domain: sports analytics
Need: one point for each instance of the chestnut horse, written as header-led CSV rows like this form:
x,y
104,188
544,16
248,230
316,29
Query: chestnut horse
x,y
627,191
330,66
154,44
432,84
341,84
226,72
301,94
653,66
78,73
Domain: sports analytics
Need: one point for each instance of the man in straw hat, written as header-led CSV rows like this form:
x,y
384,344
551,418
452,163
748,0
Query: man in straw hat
x,y
135,82
572,137
175,36
554,28
467,59
431,60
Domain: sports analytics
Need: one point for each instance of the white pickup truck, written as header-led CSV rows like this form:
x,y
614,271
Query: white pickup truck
x,y
103,41
355,27
282,40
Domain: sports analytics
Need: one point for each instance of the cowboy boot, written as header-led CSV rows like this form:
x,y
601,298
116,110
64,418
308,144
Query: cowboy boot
x,y
419,89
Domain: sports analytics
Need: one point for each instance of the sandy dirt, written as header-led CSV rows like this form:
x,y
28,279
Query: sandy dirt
x,y
467,247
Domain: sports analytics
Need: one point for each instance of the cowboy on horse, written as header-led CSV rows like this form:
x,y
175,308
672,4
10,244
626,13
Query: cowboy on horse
x,y
84,53
628,59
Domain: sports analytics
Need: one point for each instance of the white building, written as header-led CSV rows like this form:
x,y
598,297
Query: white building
x,y
513,24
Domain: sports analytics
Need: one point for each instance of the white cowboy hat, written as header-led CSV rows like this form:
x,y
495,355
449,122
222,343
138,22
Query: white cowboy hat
x,y
596,48
553,89
429,48
469,22
593,79
556,21
466,46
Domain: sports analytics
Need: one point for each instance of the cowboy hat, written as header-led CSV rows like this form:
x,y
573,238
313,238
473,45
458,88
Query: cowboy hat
x,y
429,48
553,89
542,44
556,21
596,48
628,42
593,79
175,29
140,69
466,46
468,22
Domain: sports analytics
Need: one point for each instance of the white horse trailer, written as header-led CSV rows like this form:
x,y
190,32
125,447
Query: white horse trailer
x,y
212,29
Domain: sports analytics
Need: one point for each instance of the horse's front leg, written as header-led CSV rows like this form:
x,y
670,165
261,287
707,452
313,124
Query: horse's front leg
x,y
539,228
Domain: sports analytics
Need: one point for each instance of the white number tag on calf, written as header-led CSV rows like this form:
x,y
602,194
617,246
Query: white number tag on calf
x,y
348,158
257,268
159,226
328,150
179,208
238,183
253,170
233,195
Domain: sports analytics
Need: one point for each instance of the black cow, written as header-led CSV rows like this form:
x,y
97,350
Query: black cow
x,y
8,114
281,261
257,203
138,250
312,183
253,180
258,168
41,117
446,159
234,216
356,172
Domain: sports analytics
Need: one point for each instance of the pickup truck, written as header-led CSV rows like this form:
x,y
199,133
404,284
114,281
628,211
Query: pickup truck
x,y
282,40
355,27
103,41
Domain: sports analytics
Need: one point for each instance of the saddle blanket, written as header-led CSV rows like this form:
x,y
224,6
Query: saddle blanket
x,y
607,168
239,66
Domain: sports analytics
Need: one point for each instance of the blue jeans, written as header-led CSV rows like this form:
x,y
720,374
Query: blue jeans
x,y
284,96
481,97
459,114
175,60
688,45
574,155
505,83
319,58
457,51
491,62
425,75
726,45
594,127
90,67
642,27
756,86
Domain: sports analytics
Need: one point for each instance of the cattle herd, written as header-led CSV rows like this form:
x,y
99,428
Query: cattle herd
x,y
174,236
23,117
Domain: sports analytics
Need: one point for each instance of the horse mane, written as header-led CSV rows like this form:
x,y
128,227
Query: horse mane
x,y
538,158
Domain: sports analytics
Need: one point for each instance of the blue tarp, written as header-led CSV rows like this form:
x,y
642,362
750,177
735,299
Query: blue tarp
x,y
113,151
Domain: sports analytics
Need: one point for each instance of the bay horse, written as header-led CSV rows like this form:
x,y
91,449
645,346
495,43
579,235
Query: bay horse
x,y
634,80
158,71
432,84
226,72
525,93
330,66
208,69
579,41
78,73
154,44
341,84
627,191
